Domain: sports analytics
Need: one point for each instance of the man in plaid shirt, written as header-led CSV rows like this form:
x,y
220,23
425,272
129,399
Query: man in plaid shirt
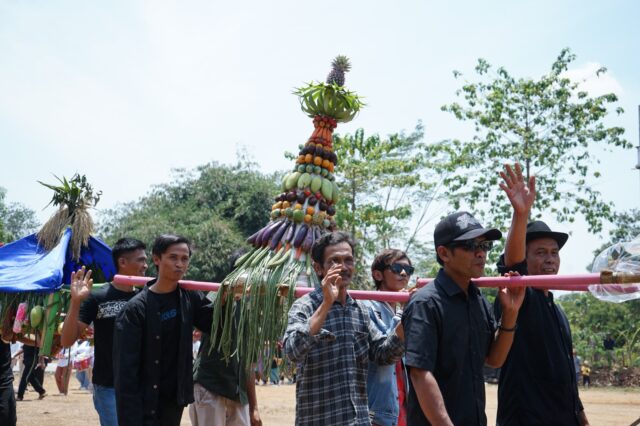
x,y
330,337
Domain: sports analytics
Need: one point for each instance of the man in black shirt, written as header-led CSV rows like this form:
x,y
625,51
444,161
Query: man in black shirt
x,y
101,307
152,341
450,330
7,397
537,383
224,393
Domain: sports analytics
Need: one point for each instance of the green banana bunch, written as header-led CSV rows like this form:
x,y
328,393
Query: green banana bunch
x,y
329,100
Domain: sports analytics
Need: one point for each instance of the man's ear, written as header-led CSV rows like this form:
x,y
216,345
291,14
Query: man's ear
x,y
318,268
444,253
156,259
378,276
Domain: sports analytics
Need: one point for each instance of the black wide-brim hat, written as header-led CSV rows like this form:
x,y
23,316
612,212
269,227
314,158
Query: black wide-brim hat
x,y
538,229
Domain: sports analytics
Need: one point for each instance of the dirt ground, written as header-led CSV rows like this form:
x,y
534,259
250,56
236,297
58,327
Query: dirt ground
x,y
604,406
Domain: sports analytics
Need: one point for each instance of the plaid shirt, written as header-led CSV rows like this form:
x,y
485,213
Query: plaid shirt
x,y
331,387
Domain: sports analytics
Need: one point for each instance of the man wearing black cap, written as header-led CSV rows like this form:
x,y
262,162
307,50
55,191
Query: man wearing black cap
x,y
537,382
450,330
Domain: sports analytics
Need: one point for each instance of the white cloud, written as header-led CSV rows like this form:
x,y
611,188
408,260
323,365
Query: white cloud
x,y
590,82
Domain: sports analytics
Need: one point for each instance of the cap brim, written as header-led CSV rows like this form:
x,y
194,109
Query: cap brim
x,y
489,234
560,237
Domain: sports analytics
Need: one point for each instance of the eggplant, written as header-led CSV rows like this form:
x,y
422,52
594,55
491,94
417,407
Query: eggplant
x,y
309,239
300,234
252,239
288,238
267,232
277,235
258,241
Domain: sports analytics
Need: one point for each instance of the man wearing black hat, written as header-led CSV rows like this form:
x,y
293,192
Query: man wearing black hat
x,y
537,382
450,330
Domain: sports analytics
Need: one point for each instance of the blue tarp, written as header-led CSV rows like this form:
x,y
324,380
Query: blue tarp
x,y
25,266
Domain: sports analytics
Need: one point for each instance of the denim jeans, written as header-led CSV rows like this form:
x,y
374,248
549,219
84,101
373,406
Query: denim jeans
x,y
104,400
83,378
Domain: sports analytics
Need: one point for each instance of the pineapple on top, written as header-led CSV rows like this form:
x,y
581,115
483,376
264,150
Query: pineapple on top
x,y
340,65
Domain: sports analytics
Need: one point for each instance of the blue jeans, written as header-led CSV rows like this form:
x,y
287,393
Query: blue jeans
x,y
83,378
104,400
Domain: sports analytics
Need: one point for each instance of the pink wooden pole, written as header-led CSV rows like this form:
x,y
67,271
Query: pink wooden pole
x,y
552,282
385,296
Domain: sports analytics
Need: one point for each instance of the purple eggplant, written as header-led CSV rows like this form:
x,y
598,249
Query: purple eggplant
x,y
252,239
258,241
300,234
277,236
288,238
266,232
309,239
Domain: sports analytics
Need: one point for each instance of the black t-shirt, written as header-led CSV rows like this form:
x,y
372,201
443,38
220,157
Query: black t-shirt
x,y
6,374
537,381
212,371
102,308
169,315
449,333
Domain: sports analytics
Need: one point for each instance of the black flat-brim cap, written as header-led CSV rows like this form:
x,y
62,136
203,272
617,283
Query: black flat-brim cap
x,y
461,226
490,234
538,229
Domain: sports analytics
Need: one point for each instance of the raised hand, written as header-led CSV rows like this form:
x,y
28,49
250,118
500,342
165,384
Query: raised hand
x,y
331,283
521,194
81,283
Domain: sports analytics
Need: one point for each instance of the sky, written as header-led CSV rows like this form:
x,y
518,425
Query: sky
x,y
126,91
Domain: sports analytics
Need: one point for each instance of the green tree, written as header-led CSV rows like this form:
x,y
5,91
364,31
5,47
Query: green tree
x,y
216,206
387,189
16,220
548,125
592,320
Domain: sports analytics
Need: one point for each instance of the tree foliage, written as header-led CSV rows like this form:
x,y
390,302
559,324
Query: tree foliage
x,y
16,220
549,125
592,320
216,206
387,188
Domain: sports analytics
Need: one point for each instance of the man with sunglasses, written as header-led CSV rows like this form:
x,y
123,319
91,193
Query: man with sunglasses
x,y
387,384
450,330
537,382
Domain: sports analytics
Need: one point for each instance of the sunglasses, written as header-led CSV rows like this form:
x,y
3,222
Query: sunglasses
x,y
473,245
397,268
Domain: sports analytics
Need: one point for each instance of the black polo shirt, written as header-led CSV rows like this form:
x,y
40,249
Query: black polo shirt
x,y
449,334
537,383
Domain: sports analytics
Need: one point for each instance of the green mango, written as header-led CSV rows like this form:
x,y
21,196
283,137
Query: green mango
x,y
316,183
304,181
327,189
292,178
335,194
